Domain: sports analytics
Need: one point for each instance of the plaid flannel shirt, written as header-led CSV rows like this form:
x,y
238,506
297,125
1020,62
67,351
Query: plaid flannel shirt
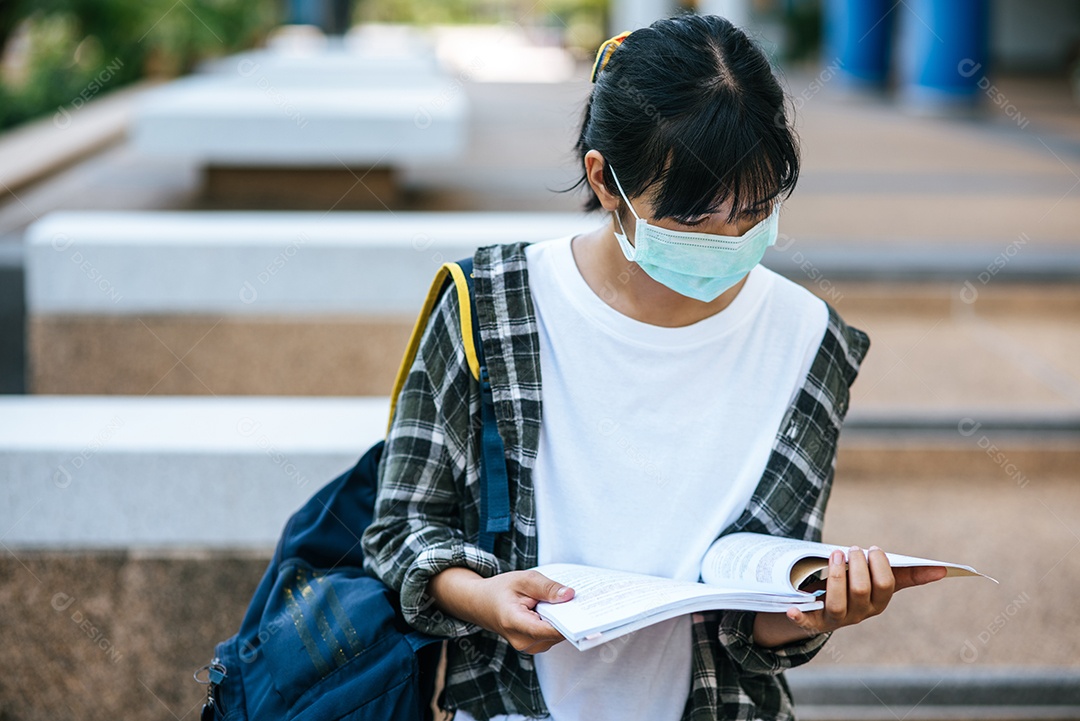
x,y
427,510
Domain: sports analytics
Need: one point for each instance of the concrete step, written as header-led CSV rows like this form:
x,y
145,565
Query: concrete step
x,y
243,298
171,472
935,694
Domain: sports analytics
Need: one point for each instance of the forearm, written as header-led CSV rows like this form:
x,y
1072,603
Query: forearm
x,y
451,591
776,629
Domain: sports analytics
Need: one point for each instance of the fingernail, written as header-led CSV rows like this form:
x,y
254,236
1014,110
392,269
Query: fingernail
x,y
837,557
874,548
854,549
562,591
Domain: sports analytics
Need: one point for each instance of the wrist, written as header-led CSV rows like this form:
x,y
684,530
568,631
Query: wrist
x,y
452,591
771,630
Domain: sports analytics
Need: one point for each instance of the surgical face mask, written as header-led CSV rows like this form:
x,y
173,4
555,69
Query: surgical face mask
x,y
697,265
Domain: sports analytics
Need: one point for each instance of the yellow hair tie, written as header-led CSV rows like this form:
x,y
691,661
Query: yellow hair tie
x,y
608,47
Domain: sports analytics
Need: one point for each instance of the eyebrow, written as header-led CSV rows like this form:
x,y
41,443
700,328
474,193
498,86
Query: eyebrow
x,y
756,212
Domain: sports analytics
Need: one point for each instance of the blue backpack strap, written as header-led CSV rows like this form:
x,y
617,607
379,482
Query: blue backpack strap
x,y
494,484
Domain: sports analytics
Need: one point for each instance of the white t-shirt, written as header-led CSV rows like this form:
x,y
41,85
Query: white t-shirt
x,y
652,442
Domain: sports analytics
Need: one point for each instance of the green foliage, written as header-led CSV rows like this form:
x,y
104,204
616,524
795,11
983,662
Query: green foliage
x,y
79,48
181,35
432,12
581,22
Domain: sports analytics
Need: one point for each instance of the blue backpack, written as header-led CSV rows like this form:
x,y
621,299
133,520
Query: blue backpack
x,y
322,640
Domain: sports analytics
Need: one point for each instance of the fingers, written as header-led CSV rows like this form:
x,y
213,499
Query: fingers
x,y
849,591
529,622
539,647
870,583
532,634
859,587
836,589
882,579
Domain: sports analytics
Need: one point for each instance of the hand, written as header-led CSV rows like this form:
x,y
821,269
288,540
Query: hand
x,y
863,590
504,604
509,602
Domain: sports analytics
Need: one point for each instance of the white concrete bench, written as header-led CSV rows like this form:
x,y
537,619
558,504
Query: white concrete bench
x,y
109,472
244,121
257,263
355,103
227,471
359,263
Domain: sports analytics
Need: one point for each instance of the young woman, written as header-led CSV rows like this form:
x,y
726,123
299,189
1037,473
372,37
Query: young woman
x,y
686,391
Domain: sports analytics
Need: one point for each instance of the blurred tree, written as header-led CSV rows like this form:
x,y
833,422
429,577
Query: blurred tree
x,y
78,48
426,12
10,12
584,21
565,15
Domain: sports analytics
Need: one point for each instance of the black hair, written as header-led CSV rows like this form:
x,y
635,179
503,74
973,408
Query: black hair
x,y
692,102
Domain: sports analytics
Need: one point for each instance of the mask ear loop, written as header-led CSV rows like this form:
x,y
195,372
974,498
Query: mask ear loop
x,y
628,204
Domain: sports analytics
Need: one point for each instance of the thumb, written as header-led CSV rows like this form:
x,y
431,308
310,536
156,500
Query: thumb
x,y
540,587
926,574
918,575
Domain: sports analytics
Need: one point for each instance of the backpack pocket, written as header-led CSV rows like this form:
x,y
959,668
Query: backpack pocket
x,y
338,624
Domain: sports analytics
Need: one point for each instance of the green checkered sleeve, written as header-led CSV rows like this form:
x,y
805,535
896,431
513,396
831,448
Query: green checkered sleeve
x,y
419,528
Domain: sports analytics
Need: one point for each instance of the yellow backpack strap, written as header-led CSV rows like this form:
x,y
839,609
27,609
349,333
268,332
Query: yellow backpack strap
x,y
454,272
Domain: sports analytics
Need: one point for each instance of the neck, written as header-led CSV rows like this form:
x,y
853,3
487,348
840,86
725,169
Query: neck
x,y
627,288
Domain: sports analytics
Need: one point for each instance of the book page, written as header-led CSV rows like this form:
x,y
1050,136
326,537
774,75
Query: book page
x,y
780,565
608,604
813,565
756,560
604,596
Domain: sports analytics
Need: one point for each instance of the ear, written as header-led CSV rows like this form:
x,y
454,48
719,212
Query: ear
x,y
594,173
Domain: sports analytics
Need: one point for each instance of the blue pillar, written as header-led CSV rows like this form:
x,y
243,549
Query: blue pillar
x,y
943,52
858,36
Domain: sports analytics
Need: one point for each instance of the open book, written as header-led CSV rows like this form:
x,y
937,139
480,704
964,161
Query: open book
x,y
747,571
